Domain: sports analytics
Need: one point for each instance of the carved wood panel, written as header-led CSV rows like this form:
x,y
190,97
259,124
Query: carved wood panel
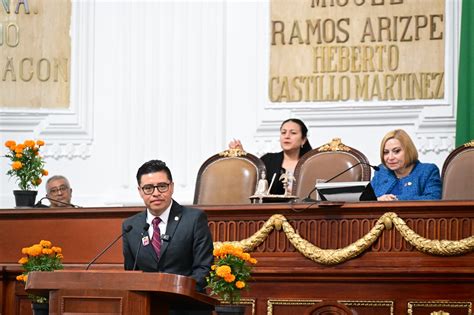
x,y
337,233
439,308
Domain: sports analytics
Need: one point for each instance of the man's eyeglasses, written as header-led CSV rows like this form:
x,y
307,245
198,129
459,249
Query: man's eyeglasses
x,y
56,190
149,189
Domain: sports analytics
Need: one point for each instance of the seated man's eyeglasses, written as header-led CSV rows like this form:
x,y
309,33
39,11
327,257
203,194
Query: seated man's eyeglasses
x,y
149,189
56,190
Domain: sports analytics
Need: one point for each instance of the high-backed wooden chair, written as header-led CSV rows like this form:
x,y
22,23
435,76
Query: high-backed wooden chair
x,y
458,173
327,161
229,177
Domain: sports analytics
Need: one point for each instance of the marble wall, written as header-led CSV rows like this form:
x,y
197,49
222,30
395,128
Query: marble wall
x,y
177,80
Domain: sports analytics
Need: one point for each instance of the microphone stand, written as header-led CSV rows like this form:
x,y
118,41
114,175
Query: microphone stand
x,y
344,171
309,199
126,230
145,229
40,205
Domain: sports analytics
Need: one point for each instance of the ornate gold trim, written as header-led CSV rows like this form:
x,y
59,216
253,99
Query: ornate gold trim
x,y
337,256
469,144
271,302
233,153
249,244
251,302
335,145
370,303
412,305
433,247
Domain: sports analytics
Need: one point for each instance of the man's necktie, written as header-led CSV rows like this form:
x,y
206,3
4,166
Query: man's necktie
x,y
156,239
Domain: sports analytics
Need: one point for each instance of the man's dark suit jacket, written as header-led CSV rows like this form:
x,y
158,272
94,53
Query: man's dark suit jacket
x,y
187,252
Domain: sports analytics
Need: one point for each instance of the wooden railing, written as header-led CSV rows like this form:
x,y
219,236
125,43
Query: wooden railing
x,y
373,257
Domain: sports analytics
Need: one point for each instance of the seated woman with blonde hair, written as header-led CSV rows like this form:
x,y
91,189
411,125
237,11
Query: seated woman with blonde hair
x,y
402,176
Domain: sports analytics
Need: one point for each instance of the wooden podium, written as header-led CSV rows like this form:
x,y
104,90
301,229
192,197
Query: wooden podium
x,y
116,292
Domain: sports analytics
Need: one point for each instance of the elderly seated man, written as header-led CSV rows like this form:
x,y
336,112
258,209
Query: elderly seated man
x,y
58,191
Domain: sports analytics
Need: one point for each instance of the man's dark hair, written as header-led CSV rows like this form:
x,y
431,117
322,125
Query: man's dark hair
x,y
153,166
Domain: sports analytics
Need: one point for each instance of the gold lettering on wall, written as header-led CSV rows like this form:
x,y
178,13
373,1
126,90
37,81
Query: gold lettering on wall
x,y
35,53
340,50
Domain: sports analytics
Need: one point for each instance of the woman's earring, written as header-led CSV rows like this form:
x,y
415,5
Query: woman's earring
x,y
302,146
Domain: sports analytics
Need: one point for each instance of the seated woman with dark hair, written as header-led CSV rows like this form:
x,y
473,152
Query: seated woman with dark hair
x,y
402,176
294,142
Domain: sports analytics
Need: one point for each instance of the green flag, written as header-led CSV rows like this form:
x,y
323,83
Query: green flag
x,y
465,110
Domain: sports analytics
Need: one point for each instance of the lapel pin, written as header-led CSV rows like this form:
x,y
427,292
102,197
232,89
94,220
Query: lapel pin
x,y
176,218
145,240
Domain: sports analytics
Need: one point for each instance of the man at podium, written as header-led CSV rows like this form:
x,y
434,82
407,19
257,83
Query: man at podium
x,y
167,237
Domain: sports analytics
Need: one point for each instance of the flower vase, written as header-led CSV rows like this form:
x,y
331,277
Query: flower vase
x,y
230,310
40,308
25,198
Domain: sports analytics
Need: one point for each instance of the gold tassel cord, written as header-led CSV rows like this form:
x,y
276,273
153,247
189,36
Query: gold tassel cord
x,y
333,256
249,244
337,256
433,247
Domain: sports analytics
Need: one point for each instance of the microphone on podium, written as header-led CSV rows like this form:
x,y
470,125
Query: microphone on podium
x,y
40,205
145,230
126,230
309,199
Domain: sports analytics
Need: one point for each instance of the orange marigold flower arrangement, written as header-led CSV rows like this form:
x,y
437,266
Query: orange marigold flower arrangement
x,y
26,163
40,257
230,272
